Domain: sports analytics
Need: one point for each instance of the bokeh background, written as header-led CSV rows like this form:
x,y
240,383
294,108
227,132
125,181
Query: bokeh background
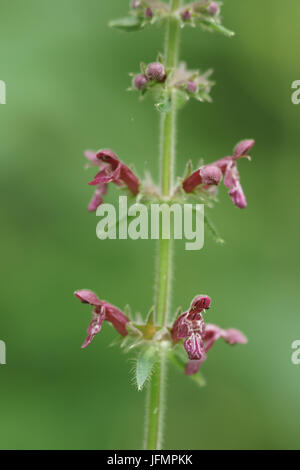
x,y
66,74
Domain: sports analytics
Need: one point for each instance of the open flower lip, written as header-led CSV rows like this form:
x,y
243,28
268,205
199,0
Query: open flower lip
x,y
111,170
102,311
116,171
200,337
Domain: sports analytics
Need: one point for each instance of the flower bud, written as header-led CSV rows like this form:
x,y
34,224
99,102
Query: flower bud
x,y
211,174
213,9
148,13
156,72
192,87
140,82
186,15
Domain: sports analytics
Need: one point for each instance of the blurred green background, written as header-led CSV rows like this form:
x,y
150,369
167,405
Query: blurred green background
x,y
66,74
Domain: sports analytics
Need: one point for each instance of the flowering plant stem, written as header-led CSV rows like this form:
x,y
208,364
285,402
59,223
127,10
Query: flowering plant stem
x,y
156,391
159,338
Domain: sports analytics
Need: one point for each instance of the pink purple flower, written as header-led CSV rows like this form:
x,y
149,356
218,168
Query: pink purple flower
x,y
211,335
111,170
209,175
190,326
227,167
102,311
199,338
101,189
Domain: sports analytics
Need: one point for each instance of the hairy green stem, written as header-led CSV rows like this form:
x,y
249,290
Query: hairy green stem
x,y
168,120
168,140
156,391
155,406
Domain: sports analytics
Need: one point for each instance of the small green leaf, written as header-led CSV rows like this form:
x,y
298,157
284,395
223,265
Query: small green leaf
x,y
213,26
129,23
145,363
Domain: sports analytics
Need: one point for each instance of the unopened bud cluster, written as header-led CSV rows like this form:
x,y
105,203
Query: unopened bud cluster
x,y
154,73
196,10
143,13
188,82
142,9
199,10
